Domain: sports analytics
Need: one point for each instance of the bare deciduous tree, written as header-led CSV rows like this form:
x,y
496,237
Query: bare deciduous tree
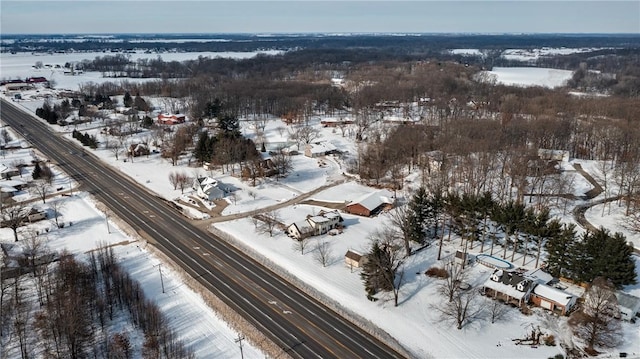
x,y
41,188
174,179
496,310
301,244
323,253
270,221
13,216
462,308
596,323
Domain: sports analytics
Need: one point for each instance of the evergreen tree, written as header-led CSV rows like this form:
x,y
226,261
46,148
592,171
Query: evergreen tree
x,y
127,100
213,109
559,249
228,127
200,152
373,271
608,256
140,104
37,171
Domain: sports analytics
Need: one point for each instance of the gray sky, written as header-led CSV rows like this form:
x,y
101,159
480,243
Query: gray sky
x,y
62,17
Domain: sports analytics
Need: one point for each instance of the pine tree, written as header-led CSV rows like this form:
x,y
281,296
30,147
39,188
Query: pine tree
x,y
37,171
127,100
559,249
373,271
611,258
229,127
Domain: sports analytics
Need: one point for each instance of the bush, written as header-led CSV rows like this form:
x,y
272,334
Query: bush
x,y
549,340
437,272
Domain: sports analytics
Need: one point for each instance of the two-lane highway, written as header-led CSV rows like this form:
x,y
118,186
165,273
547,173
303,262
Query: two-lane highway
x,y
300,325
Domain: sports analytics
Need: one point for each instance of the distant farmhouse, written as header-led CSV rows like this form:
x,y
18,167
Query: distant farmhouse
x,y
371,204
170,119
314,225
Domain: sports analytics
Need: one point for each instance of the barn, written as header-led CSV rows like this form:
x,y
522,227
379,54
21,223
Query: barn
x,y
371,203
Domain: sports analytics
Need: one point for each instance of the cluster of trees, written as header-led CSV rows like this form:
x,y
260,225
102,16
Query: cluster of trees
x,y
48,113
481,219
591,255
41,171
74,307
86,139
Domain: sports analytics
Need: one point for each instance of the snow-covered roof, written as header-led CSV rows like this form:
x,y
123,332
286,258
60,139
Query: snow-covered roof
x,y
374,200
628,301
321,147
319,219
538,275
12,183
504,288
303,226
553,294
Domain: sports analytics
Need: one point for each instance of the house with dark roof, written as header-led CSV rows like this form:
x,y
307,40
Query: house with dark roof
x,y
209,188
510,287
371,203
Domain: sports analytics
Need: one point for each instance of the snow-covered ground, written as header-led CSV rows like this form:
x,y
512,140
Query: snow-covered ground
x,y
21,65
414,323
531,76
534,54
86,228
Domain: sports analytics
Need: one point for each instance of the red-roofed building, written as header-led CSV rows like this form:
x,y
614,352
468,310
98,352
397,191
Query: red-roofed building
x,y
169,119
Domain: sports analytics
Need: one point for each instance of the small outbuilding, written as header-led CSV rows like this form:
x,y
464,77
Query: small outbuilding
x,y
354,259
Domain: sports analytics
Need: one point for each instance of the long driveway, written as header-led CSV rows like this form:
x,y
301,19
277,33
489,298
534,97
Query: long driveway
x,y
300,325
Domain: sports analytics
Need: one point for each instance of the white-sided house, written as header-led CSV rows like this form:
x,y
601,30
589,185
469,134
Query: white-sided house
x,y
509,287
553,299
300,230
209,188
319,149
628,305
315,225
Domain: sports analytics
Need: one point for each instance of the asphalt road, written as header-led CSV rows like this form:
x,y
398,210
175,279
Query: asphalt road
x,y
300,325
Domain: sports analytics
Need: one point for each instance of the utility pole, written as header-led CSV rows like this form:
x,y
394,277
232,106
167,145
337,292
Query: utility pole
x,y
239,341
106,218
161,281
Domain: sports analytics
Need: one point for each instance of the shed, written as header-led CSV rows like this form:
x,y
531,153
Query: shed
x,y
354,259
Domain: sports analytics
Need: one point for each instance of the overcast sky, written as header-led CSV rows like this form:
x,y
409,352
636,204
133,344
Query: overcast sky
x,y
63,17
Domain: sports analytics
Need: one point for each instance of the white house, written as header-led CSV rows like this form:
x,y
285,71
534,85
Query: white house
x,y
314,225
209,188
628,305
510,287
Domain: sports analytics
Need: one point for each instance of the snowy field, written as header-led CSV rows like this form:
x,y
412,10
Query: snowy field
x,y
534,54
21,65
531,76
